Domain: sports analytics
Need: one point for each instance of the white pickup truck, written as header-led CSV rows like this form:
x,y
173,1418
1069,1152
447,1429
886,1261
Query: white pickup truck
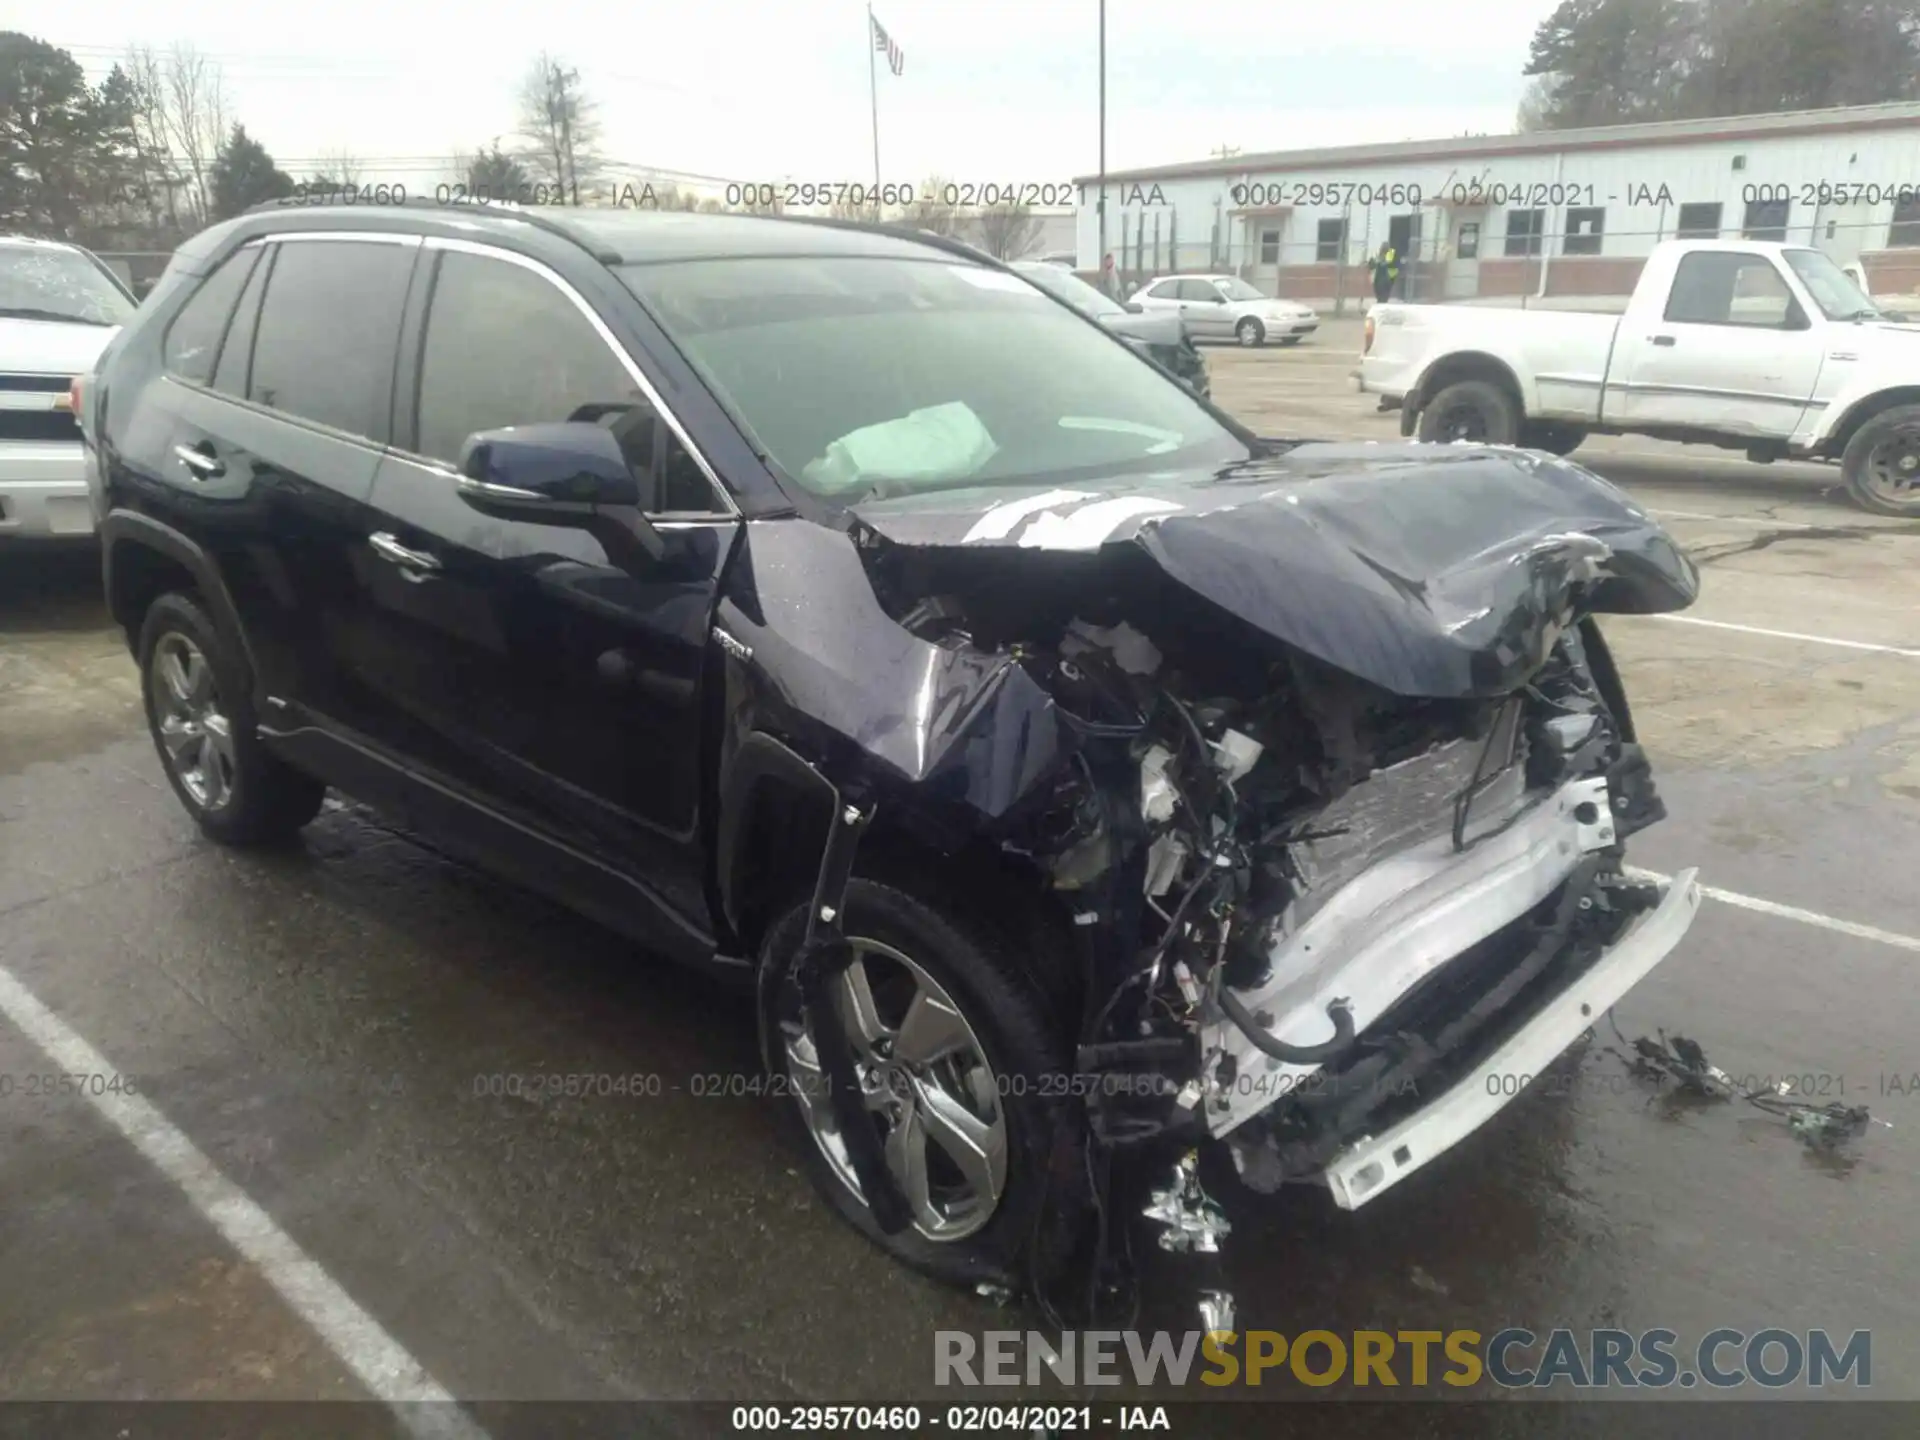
x,y
1754,346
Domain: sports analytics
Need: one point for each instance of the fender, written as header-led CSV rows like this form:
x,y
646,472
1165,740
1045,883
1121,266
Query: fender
x,y
1851,408
761,763
121,529
1472,359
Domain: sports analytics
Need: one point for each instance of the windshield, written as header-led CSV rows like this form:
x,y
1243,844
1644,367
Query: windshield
x,y
872,377
1065,285
1234,288
46,284
1832,288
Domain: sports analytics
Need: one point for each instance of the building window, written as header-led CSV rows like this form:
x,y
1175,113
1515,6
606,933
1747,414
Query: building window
x,y
1467,246
1524,231
1766,220
1583,230
1331,242
1905,229
1269,247
1699,222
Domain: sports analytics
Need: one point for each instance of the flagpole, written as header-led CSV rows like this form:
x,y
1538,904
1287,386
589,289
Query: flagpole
x,y
873,92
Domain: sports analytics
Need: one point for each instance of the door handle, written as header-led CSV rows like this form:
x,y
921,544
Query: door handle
x,y
1666,340
203,465
388,548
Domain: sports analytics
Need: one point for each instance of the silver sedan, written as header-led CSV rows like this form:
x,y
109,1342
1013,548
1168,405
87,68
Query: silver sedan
x,y
1225,307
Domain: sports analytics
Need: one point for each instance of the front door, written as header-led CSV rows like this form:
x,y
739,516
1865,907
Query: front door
x,y
555,670
1205,310
1732,342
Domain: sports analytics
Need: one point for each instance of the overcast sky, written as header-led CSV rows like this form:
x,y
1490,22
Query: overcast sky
x,y
993,90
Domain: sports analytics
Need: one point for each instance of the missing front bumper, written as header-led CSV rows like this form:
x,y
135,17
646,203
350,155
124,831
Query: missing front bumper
x,y
1369,1167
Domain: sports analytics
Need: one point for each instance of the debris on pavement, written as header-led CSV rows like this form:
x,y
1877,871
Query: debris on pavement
x,y
1682,1062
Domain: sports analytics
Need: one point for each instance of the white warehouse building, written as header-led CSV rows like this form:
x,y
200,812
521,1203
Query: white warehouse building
x,y
1564,213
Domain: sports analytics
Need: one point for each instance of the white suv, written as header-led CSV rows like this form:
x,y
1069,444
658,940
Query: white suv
x,y
59,306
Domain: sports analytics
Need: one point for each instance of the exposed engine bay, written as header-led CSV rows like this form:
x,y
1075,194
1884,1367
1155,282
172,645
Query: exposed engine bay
x,y
1321,762
1214,810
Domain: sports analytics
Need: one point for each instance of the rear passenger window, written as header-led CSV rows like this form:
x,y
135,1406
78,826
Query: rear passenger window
x,y
324,347
236,355
193,340
504,346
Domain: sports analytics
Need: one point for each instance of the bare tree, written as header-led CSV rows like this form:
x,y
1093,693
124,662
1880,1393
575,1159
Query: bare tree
x,y
1009,230
342,167
847,209
1536,104
193,119
559,125
147,78
930,209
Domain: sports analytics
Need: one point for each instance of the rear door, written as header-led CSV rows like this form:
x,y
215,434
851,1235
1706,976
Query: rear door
x,y
551,670
1163,296
1731,350
280,409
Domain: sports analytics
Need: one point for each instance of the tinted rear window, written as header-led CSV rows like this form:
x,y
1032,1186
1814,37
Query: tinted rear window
x,y
324,346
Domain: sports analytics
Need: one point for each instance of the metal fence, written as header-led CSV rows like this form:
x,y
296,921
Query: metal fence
x,y
1449,257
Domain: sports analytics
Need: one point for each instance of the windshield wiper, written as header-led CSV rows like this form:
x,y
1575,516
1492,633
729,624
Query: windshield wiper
x,y
27,312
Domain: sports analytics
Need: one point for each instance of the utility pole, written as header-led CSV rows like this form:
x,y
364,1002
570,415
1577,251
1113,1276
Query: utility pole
x,y
1101,259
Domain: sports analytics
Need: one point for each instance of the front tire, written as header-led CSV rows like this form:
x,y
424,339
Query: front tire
x,y
1475,411
1551,436
200,713
1881,464
1250,333
960,1063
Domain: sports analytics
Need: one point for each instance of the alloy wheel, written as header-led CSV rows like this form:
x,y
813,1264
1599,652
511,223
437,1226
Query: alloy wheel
x,y
926,1086
194,731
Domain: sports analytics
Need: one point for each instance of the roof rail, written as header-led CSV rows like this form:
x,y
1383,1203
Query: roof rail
x,y
952,244
422,204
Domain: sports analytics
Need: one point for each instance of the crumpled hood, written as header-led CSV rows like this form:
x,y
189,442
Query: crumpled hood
x,y
1443,571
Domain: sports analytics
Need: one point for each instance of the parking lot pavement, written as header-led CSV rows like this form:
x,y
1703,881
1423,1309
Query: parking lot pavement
x,y
322,1025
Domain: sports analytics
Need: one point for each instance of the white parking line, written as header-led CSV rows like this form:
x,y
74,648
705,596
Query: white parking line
x,y
376,1359
1794,912
1787,635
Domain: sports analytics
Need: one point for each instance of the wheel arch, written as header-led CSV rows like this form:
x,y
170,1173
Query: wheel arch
x,y
1861,411
1466,365
775,813
142,558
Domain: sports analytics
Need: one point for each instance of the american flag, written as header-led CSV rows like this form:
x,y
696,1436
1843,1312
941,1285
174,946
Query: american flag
x,y
883,43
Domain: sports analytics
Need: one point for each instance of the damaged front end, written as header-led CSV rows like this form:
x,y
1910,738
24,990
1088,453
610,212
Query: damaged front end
x,y
1329,768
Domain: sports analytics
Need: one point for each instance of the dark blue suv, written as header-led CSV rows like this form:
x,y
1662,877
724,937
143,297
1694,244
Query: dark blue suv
x,y
824,605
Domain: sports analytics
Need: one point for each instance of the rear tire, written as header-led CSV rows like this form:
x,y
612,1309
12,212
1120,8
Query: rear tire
x,y
1881,463
1013,1093
1476,411
200,713
1551,436
1250,333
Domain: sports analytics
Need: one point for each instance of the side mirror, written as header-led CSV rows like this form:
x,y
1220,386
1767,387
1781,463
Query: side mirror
x,y
1134,307
1797,318
555,471
569,473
